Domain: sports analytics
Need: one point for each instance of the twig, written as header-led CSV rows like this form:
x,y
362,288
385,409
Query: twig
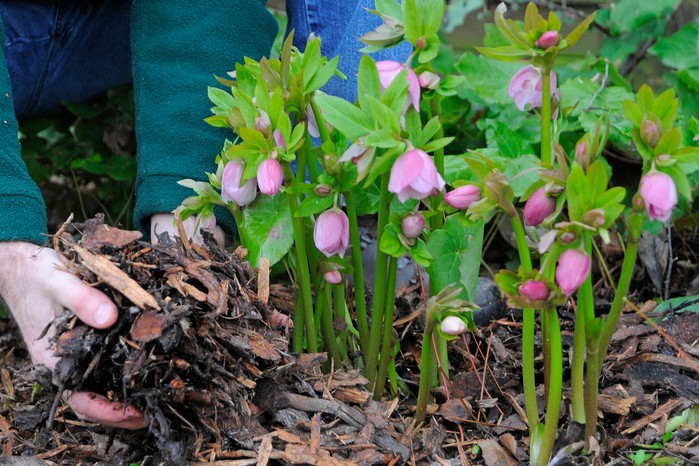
x,y
603,84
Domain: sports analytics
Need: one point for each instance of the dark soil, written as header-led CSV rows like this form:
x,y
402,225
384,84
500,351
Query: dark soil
x,y
193,349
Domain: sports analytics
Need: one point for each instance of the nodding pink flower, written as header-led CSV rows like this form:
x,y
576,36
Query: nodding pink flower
x,y
389,69
452,325
428,80
361,156
573,268
534,290
231,190
660,195
463,196
525,87
270,176
263,123
334,277
279,138
413,224
331,232
538,207
547,39
414,175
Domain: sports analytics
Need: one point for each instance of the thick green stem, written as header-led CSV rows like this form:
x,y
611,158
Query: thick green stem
x,y
585,313
546,118
528,330
591,388
303,276
428,362
553,402
377,316
387,339
359,291
326,319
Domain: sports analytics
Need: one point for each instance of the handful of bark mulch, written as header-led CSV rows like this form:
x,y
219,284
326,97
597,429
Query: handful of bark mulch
x,y
192,350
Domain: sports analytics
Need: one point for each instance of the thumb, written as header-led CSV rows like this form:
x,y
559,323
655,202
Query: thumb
x,y
90,305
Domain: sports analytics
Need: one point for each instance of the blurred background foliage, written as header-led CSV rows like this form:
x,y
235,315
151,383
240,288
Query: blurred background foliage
x,y
84,159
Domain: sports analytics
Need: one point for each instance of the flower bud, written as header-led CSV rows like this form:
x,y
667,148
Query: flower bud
x,y
583,157
538,207
263,123
573,268
331,232
547,39
334,277
323,190
568,237
279,138
665,160
594,218
650,130
412,224
453,325
428,80
421,43
270,176
660,195
414,175
463,196
231,190
534,290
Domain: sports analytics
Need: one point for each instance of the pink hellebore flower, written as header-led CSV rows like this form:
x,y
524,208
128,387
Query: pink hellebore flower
x,y
534,290
463,196
360,156
279,139
414,175
660,195
452,325
263,123
413,224
547,39
231,190
389,69
270,176
331,232
573,268
525,87
334,277
538,207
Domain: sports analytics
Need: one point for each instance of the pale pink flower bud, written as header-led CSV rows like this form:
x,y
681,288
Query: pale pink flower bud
x,y
650,131
547,39
389,69
414,175
594,218
331,232
334,277
660,195
263,123
313,123
231,190
360,156
413,224
428,80
452,325
538,207
525,87
270,176
534,290
279,138
463,196
573,268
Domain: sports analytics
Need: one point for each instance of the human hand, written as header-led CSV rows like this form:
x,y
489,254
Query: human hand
x,y
36,289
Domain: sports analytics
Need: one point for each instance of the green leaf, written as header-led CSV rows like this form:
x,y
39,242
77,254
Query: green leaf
x,y
344,116
391,8
267,229
420,254
437,144
577,33
222,99
486,80
431,50
669,142
314,204
504,53
381,138
368,82
323,75
366,198
456,250
628,15
509,29
385,117
433,12
679,50
412,13
576,192
390,244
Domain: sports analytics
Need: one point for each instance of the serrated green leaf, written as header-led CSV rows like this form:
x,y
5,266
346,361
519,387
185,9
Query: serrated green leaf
x,y
384,116
396,93
390,244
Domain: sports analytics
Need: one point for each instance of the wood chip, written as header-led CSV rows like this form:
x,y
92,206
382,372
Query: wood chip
x,y
265,451
615,405
665,409
263,280
116,278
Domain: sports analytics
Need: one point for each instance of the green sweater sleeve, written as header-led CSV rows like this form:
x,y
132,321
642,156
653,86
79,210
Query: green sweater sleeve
x,y
178,47
22,209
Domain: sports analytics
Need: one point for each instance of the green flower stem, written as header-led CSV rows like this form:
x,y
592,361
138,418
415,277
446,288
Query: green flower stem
x,y
303,276
622,290
428,363
546,350
585,313
591,388
387,338
340,307
326,320
546,118
320,121
377,317
528,330
359,291
553,402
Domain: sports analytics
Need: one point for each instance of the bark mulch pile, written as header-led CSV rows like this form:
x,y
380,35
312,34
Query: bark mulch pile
x,y
193,350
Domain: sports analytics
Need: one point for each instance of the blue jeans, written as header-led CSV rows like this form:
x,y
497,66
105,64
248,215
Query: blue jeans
x,y
74,50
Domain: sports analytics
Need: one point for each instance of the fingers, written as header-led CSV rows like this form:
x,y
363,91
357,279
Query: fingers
x,y
96,408
90,305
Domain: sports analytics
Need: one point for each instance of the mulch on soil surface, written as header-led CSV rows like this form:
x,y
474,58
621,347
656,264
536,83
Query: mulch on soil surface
x,y
193,349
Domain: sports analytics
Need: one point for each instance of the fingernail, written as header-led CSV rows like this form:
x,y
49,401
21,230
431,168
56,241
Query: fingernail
x,y
103,314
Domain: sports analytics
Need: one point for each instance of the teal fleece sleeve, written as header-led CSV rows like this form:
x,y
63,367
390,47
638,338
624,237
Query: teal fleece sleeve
x,y
178,47
22,209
